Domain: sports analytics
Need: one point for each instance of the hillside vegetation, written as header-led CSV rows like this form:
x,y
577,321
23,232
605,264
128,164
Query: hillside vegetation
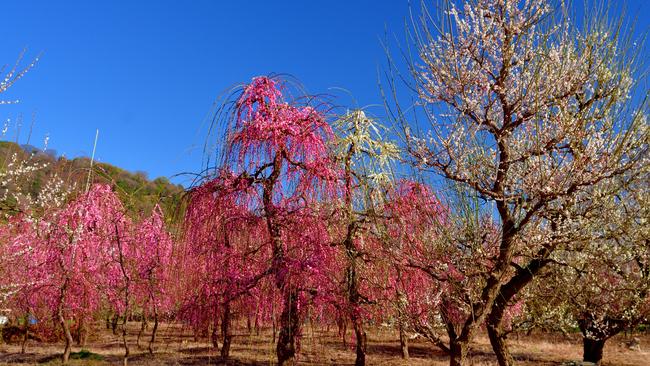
x,y
135,189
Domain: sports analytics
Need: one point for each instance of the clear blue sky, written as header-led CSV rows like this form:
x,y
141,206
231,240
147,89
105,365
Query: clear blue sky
x,y
145,73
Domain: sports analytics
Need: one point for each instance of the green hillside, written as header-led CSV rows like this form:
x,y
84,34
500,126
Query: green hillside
x,y
137,191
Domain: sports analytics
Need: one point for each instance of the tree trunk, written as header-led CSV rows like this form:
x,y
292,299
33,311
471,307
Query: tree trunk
x,y
508,291
23,344
143,326
360,334
84,336
354,298
343,330
215,333
403,341
124,341
114,324
226,332
592,350
81,332
401,302
498,338
67,335
289,319
458,352
152,341
289,328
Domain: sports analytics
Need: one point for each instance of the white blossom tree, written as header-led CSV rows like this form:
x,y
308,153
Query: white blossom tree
x,y
529,110
602,285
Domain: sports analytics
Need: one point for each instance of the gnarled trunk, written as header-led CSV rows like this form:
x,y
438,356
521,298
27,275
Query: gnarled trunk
x,y
289,318
592,350
458,352
498,338
596,333
508,291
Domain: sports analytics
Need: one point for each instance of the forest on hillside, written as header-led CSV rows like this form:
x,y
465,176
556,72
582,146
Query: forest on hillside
x,y
137,192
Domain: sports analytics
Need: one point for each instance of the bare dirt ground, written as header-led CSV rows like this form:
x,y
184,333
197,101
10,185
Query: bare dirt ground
x,y
177,346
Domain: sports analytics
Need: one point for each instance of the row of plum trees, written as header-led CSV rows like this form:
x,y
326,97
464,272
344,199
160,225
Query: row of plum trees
x,y
70,265
540,220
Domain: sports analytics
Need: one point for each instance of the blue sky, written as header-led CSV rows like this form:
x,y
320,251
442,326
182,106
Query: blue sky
x,y
145,73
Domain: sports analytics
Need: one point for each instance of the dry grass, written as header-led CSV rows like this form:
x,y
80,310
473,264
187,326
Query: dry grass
x,y
177,346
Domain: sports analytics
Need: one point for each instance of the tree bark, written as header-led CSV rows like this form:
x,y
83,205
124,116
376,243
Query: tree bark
x,y
143,326
499,344
62,321
401,316
124,341
593,345
215,333
289,328
403,341
507,293
289,319
114,322
592,350
496,335
152,341
360,334
81,334
458,352
354,297
66,333
343,329
226,332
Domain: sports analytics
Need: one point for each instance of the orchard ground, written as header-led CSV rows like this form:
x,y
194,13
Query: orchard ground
x,y
178,346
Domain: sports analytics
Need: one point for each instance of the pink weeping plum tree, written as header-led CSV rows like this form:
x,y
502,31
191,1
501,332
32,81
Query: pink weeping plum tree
x,y
64,259
153,255
72,262
224,255
274,171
